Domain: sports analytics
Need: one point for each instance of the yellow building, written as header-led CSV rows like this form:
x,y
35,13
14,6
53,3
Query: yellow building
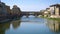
x,y
48,11
55,11
45,13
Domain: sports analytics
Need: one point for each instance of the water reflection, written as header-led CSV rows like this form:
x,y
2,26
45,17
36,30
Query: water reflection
x,y
54,25
30,25
4,27
16,24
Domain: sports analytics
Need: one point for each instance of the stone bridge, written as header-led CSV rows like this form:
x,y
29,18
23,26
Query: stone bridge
x,y
27,13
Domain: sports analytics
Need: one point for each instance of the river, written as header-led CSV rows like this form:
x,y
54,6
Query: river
x,y
30,25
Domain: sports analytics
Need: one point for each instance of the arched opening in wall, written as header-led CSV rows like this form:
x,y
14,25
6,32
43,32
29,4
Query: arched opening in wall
x,y
27,16
24,16
31,16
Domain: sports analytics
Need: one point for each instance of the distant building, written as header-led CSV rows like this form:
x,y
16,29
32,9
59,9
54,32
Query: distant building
x,y
45,13
42,12
16,10
48,12
55,11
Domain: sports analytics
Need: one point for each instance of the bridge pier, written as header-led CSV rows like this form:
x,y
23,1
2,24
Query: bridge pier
x,y
27,16
36,15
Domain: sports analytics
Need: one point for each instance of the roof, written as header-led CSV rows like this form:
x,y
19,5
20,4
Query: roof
x,y
47,8
55,5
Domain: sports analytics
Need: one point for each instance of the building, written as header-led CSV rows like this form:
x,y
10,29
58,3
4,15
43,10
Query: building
x,y
45,13
3,11
42,12
8,10
15,10
48,12
55,11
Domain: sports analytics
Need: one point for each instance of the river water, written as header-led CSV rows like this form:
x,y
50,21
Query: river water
x,y
30,25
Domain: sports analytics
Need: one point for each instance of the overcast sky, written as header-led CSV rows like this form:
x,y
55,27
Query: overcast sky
x,y
31,5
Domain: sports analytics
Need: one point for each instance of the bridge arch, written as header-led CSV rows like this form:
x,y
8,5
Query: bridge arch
x,y
27,14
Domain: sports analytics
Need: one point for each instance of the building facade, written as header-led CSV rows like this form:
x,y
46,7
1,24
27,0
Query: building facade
x,y
4,9
55,11
8,10
15,10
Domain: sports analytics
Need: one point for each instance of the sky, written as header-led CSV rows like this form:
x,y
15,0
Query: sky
x,y
31,5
